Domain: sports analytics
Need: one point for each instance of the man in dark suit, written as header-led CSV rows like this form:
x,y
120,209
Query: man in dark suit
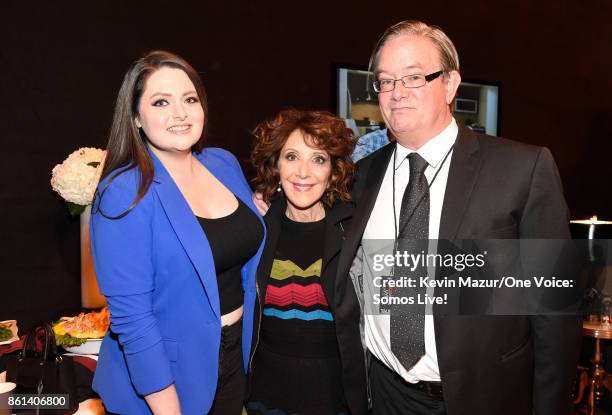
x,y
445,181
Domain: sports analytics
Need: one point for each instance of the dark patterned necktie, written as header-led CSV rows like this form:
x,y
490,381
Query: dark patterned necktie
x,y
408,322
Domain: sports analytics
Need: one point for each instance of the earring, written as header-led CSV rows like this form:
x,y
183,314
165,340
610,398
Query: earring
x,y
278,189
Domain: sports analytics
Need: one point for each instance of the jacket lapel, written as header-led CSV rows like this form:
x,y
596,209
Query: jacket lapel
x,y
189,232
365,198
273,224
187,227
335,231
233,179
228,178
462,175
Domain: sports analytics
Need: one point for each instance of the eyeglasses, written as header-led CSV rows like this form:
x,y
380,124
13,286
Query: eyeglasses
x,y
409,81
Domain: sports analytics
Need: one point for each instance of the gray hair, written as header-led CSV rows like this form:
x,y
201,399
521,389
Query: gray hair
x,y
446,49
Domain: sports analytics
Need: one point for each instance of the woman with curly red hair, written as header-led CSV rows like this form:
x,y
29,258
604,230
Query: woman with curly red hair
x,y
306,356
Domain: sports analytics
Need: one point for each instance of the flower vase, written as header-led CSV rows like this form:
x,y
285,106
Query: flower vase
x,y
90,292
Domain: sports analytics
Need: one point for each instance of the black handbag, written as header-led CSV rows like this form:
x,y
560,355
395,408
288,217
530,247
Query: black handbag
x,y
42,373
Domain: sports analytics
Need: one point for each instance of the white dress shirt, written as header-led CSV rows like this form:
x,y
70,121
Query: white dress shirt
x,y
381,226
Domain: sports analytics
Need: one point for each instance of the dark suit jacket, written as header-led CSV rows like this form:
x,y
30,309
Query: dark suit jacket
x,y
339,293
498,189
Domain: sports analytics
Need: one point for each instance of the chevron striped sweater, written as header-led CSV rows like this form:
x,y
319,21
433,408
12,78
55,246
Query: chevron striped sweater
x,y
297,320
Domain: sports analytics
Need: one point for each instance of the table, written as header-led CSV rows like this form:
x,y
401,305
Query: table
x,y
599,332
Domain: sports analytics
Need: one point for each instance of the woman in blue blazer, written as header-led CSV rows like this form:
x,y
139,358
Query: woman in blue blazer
x,y
176,241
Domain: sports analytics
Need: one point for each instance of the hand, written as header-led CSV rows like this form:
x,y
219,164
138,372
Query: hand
x,y
260,204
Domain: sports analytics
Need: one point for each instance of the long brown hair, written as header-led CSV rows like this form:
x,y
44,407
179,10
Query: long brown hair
x,y
127,148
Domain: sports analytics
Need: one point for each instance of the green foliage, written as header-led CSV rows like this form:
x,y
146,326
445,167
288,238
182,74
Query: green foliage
x,y
5,333
68,340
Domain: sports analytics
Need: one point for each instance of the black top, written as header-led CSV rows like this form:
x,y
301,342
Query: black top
x,y
339,292
297,320
233,240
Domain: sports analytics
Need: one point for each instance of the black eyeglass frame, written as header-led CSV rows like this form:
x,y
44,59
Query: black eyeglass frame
x,y
428,79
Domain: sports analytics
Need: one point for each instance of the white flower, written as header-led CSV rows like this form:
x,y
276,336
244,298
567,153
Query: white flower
x,y
75,180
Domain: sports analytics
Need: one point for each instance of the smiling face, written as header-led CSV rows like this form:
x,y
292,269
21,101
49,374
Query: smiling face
x,y
170,112
415,115
304,173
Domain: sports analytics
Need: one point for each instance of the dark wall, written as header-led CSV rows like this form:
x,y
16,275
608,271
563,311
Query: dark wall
x,y
61,64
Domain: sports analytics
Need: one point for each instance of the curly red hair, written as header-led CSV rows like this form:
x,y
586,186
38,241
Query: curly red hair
x,y
323,131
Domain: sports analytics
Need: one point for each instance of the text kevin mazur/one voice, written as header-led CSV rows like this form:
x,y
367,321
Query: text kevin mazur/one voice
x,y
503,282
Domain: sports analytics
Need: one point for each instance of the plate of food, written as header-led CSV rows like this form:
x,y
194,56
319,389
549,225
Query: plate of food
x,y
8,331
91,346
82,334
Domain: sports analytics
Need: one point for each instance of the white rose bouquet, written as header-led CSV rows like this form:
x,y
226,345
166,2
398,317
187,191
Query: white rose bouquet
x,y
76,179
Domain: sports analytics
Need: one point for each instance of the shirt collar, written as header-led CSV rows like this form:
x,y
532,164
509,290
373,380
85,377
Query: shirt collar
x,y
434,150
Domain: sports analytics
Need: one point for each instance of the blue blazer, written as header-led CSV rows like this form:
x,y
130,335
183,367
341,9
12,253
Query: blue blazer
x,y
156,270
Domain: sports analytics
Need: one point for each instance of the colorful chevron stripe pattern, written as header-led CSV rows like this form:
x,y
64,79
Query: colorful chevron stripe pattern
x,y
307,296
283,269
296,293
